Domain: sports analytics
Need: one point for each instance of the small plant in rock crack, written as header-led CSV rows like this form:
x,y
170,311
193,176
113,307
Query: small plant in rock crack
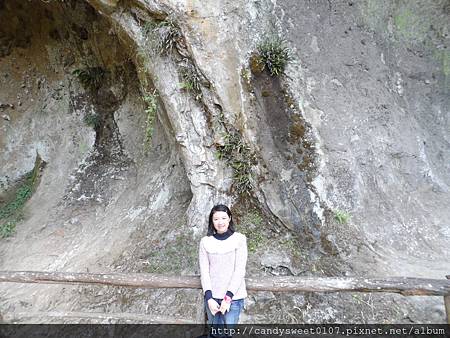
x,y
11,213
165,35
341,217
273,55
232,144
240,157
8,229
242,176
192,81
90,77
92,120
151,101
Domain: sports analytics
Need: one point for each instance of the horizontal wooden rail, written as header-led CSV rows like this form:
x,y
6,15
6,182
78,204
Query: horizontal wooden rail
x,y
402,285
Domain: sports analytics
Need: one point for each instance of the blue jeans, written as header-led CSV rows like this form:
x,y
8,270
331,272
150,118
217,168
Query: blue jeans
x,y
227,320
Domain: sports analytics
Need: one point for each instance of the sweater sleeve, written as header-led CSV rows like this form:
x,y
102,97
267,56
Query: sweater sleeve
x,y
239,267
204,268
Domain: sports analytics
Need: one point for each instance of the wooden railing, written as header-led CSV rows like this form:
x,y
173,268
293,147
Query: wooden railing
x,y
402,285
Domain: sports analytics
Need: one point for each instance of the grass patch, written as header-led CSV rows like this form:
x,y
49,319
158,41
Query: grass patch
x,y
90,77
341,217
240,157
8,229
151,101
11,212
273,55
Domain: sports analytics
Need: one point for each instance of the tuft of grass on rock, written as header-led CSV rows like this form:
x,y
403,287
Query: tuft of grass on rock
x,y
165,35
240,157
11,212
273,54
341,217
191,80
90,77
8,229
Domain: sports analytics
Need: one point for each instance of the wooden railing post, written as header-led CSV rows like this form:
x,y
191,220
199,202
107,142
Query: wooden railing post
x,y
447,304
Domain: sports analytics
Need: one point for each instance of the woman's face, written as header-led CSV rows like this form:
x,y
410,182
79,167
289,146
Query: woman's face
x,y
221,221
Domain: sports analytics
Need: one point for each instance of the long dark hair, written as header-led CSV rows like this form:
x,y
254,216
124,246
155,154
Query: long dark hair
x,y
219,207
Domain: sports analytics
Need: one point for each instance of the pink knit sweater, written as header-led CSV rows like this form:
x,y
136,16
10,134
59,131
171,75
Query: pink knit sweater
x,y
222,265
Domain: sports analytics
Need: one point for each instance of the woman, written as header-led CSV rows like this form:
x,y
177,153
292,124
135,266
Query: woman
x,y
223,257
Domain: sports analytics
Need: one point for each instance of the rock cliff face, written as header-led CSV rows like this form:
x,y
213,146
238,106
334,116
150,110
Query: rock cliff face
x,y
147,113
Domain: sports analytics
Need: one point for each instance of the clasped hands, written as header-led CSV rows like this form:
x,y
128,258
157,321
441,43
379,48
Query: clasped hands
x,y
214,307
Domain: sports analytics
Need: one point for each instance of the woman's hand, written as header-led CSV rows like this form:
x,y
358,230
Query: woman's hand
x,y
213,306
225,306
